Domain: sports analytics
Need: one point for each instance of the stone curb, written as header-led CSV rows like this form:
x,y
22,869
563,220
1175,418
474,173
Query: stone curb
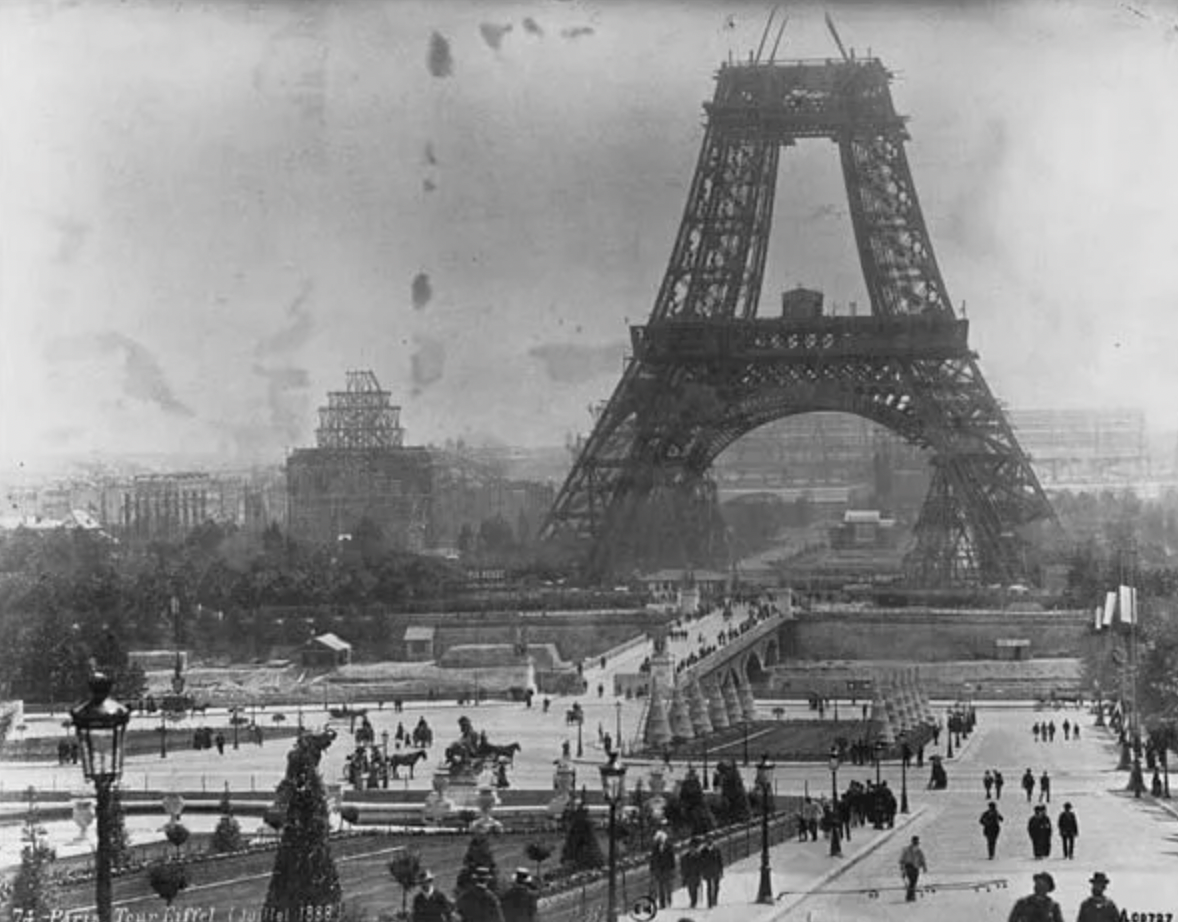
x,y
783,908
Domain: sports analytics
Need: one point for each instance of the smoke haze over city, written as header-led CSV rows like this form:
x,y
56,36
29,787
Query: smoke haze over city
x,y
211,211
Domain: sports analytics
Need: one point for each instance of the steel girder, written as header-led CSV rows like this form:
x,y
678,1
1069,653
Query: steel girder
x,y
676,408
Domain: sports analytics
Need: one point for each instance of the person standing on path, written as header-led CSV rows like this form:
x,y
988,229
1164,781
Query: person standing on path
x,y
1029,783
431,904
991,822
988,782
1069,828
520,902
1098,907
1044,787
1039,829
1067,729
911,864
662,868
998,782
690,871
711,865
1038,907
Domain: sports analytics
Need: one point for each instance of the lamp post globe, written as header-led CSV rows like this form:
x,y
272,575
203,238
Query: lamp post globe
x,y
613,788
100,724
764,784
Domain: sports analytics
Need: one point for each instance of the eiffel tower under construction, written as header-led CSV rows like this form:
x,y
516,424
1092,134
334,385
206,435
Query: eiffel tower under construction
x,y
707,369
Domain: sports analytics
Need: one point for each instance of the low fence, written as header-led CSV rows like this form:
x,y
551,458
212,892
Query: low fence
x,y
588,902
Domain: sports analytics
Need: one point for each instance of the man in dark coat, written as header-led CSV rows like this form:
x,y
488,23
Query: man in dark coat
x,y
991,822
1044,787
477,903
711,866
690,871
662,868
1098,907
1029,783
519,902
1039,829
431,904
1038,907
1069,828
998,782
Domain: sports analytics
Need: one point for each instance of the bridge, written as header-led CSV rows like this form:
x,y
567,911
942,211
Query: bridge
x,y
714,692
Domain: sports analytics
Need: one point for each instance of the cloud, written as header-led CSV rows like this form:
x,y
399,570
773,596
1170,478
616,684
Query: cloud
x,y
571,363
299,330
143,377
577,32
429,361
73,236
439,60
287,399
531,26
493,34
422,290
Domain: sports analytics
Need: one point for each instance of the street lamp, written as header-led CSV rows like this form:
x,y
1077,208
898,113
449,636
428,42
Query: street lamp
x,y
163,736
580,744
905,754
836,848
880,746
100,725
613,786
234,718
765,786
618,725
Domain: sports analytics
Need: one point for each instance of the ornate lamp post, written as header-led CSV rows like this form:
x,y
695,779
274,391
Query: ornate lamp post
x,y
580,743
163,735
618,725
905,754
878,751
613,786
101,725
765,786
836,848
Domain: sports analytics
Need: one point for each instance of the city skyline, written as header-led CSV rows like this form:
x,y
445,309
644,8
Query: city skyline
x,y
213,212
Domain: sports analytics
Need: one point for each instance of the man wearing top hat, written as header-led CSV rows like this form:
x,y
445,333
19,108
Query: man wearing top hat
x,y
1038,907
431,904
519,902
1098,907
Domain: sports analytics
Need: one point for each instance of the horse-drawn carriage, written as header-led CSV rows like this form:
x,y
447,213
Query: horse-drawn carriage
x,y
574,715
470,753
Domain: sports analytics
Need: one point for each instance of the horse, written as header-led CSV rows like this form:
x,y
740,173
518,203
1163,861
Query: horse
x,y
407,761
501,752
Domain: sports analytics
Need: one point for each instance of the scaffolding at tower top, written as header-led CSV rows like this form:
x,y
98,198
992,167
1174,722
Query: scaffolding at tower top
x,y
360,417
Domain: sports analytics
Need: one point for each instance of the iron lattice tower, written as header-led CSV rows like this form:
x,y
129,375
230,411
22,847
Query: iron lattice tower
x,y
706,369
360,417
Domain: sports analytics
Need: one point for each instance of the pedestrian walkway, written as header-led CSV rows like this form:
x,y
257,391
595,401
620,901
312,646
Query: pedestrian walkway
x,y
796,869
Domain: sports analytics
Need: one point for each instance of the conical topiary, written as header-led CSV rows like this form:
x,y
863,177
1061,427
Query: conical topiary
x,y
581,849
305,879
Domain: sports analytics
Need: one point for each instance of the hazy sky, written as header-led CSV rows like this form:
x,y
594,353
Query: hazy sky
x,y
210,211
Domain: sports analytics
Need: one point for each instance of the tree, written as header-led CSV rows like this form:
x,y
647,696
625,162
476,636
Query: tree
x,y
305,878
734,800
538,852
693,813
581,849
478,855
167,878
227,836
32,888
406,870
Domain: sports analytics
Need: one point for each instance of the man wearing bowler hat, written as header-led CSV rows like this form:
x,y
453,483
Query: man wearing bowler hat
x,y
520,900
431,904
1098,907
477,903
1038,907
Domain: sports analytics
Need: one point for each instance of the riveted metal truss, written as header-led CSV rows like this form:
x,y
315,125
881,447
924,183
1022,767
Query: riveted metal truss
x,y
707,369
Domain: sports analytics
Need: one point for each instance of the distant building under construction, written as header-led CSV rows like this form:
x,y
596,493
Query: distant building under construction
x,y
360,469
